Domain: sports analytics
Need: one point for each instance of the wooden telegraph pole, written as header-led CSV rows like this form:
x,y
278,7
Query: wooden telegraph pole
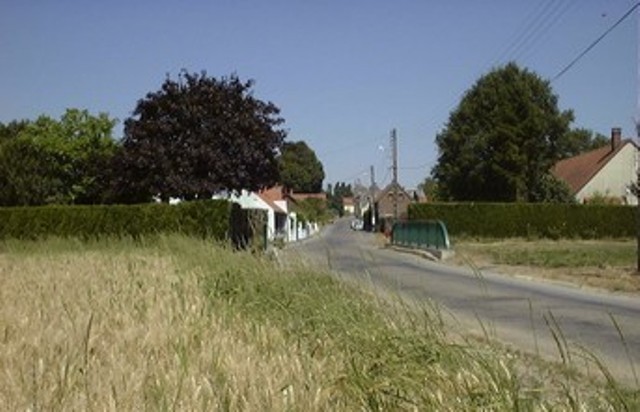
x,y
637,121
372,194
394,147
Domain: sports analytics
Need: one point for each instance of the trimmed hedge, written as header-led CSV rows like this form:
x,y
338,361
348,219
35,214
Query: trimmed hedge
x,y
545,220
206,219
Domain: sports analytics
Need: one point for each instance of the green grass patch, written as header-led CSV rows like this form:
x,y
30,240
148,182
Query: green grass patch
x,y
556,254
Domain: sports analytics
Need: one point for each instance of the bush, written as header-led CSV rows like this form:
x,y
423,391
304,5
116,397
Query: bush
x,y
205,219
546,220
312,210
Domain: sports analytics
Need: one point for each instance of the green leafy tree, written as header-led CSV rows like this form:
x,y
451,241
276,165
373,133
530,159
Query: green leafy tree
x,y
197,136
580,140
11,130
501,141
56,161
552,190
29,174
335,194
300,169
312,210
430,189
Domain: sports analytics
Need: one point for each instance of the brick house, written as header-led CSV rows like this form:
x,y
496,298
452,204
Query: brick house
x,y
386,200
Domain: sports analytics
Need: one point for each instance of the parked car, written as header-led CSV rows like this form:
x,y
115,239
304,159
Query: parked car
x,y
357,224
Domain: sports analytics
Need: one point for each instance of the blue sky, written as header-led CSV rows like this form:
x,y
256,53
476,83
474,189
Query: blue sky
x,y
344,73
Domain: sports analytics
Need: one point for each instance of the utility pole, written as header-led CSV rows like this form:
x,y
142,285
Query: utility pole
x,y
372,193
394,148
637,186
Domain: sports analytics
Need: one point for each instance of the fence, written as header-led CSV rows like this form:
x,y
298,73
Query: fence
x,y
421,234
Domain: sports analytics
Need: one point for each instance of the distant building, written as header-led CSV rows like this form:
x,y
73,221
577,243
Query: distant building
x,y
607,171
391,197
418,195
279,204
348,205
362,198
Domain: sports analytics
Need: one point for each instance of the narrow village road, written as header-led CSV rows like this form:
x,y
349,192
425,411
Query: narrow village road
x,y
520,312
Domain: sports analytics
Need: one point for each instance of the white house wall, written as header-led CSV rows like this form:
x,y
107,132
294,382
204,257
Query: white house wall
x,y
295,230
291,234
292,227
614,178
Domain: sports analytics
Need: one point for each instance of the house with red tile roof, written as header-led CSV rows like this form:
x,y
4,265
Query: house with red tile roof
x,y
279,207
282,219
607,171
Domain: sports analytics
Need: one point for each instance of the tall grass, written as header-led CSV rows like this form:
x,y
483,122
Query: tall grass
x,y
173,323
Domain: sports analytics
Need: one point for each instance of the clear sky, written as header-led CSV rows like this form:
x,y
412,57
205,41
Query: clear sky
x,y
343,72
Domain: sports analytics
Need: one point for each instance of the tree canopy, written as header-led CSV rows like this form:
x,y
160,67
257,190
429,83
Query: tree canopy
x,y
335,194
580,140
196,136
50,161
501,141
300,169
429,187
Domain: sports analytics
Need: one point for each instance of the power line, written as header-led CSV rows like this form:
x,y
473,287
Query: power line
x,y
592,45
532,19
537,23
548,19
550,24
384,179
356,143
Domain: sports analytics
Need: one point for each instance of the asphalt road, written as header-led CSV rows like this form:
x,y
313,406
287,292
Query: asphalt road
x,y
523,313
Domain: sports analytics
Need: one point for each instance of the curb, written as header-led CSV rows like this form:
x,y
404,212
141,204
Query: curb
x,y
435,255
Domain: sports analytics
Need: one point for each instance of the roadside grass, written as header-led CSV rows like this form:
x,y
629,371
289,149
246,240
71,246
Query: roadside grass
x,y
607,264
564,253
173,323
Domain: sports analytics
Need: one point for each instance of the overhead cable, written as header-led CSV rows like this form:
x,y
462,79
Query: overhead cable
x,y
592,45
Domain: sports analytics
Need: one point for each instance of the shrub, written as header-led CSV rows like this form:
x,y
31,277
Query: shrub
x,y
547,220
205,219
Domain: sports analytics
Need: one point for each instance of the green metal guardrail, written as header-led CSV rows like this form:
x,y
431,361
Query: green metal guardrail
x,y
421,234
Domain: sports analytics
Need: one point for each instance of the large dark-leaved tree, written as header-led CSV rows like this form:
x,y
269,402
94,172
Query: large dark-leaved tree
x,y
197,136
300,169
501,141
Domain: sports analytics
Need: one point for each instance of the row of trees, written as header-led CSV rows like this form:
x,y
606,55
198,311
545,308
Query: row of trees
x,y
502,140
200,135
194,137
335,195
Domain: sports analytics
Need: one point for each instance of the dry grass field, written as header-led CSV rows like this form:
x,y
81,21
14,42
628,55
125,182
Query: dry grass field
x,y
126,329
180,324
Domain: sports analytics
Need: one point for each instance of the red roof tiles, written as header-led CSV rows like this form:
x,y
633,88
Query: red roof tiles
x,y
577,171
270,196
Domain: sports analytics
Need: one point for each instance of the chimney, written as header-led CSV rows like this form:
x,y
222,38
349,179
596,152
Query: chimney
x,y
616,137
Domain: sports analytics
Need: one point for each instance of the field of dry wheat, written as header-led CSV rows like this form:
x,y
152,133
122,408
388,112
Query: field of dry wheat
x,y
180,324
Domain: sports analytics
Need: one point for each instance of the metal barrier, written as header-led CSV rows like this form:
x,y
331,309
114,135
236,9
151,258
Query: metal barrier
x,y
421,234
